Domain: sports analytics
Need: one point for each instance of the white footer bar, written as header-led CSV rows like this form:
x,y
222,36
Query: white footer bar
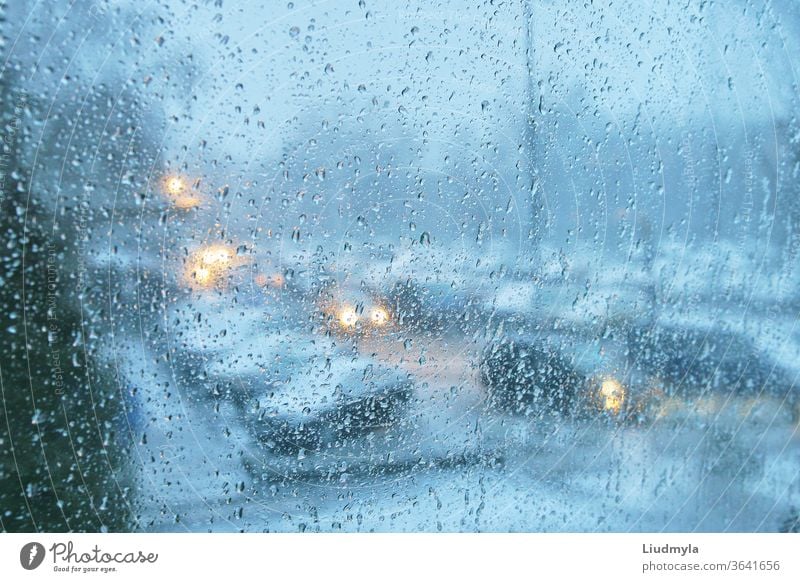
x,y
353,557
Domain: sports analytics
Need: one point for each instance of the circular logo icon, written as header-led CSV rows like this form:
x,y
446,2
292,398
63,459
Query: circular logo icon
x,y
31,555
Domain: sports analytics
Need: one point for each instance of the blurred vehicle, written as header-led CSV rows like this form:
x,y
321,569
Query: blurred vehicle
x,y
522,377
301,392
348,312
702,363
536,376
653,372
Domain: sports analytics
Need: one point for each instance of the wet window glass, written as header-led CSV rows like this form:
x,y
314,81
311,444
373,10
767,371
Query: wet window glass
x,y
400,266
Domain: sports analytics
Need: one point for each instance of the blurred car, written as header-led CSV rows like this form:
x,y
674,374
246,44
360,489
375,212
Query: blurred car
x,y
347,312
537,376
306,393
653,372
692,363
522,377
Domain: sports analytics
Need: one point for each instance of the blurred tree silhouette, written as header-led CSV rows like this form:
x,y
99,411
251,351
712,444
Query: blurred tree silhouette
x,y
57,436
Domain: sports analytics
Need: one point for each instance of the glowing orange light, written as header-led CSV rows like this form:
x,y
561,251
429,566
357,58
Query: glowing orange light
x,y
175,185
378,316
348,318
612,394
208,265
177,188
203,276
216,255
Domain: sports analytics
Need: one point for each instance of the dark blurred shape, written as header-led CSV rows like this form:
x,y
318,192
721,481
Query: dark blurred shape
x,y
693,362
521,377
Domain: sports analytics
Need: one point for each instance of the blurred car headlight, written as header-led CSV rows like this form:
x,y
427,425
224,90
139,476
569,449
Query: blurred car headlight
x,y
347,317
179,192
612,395
378,316
207,266
360,315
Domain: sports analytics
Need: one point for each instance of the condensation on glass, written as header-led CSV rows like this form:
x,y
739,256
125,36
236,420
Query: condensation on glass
x,y
379,266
